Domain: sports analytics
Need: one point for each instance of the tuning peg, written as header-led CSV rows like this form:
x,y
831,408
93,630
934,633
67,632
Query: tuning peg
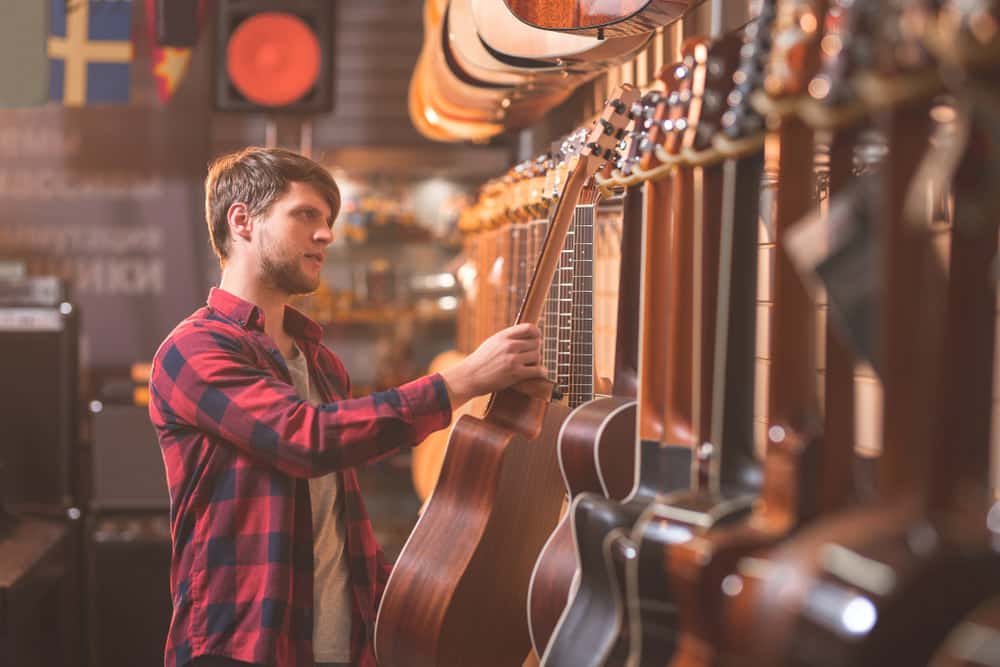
x,y
617,105
608,127
610,155
667,125
594,148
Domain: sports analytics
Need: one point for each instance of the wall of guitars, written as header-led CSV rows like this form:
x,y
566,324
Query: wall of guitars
x,y
764,266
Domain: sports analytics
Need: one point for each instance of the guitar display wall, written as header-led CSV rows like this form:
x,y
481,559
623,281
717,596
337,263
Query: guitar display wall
x,y
813,482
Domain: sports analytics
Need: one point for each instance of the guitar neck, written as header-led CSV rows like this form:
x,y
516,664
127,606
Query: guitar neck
x,y
910,327
793,408
562,286
629,276
735,465
678,412
960,458
581,303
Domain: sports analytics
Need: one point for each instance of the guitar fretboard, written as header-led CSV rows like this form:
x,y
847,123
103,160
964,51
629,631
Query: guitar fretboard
x,y
581,315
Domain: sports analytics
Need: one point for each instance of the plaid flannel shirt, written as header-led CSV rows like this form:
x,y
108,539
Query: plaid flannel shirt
x,y
238,446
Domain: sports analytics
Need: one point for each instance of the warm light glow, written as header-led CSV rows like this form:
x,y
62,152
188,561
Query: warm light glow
x,y
447,303
859,616
819,88
831,45
808,23
943,113
432,116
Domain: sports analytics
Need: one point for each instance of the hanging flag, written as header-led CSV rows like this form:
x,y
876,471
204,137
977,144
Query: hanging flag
x,y
90,51
172,27
24,67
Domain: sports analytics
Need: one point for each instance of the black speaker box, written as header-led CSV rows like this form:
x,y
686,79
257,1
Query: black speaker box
x,y
39,348
318,15
128,588
127,465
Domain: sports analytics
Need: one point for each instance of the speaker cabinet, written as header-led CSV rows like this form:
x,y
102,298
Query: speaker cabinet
x,y
274,56
127,465
38,404
128,591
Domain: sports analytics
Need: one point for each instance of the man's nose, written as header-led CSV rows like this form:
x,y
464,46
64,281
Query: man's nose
x,y
324,234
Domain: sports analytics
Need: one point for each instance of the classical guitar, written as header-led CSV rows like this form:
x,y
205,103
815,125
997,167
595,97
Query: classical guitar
x,y
596,18
457,594
925,557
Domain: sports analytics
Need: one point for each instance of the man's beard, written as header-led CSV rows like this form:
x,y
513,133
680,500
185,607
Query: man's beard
x,y
285,274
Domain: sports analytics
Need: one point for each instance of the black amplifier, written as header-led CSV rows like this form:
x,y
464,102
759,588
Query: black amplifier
x,y
39,355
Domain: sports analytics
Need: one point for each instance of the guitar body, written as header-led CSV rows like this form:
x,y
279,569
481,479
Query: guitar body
x,y
930,587
592,623
495,483
601,430
655,616
611,19
427,457
515,42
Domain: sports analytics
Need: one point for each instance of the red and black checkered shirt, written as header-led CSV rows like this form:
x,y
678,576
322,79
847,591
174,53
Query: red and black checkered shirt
x,y
238,445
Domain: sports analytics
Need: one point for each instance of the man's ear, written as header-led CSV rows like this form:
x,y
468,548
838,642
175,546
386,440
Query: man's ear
x,y
240,221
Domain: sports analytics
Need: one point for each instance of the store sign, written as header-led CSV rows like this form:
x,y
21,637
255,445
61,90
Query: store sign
x,y
110,199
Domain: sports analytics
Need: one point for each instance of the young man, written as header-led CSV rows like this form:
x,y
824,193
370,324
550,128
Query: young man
x,y
274,560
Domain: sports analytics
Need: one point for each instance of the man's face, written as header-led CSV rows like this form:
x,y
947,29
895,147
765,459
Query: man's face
x,y
292,239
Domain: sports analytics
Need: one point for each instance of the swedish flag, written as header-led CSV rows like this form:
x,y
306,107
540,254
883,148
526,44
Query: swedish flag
x,y
90,51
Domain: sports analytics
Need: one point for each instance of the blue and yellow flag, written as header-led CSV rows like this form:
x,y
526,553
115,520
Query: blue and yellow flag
x,y
90,51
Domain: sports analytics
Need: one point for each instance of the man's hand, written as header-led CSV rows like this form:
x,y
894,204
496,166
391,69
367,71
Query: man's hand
x,y
505,358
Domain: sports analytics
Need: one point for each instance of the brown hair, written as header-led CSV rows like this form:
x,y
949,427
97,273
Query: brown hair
x,y
257,177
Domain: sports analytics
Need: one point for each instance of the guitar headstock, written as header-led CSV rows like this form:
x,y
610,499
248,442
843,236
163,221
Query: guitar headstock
x,y
847,47
631,147
966,32
609,129
897,46
794,57
669,115
715,65
741,120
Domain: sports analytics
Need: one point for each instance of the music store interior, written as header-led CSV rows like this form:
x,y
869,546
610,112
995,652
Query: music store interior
x,y
758,239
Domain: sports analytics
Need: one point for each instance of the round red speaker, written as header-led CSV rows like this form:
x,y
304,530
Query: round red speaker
x,y
273,58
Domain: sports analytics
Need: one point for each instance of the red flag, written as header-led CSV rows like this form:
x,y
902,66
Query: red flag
x,y
169,61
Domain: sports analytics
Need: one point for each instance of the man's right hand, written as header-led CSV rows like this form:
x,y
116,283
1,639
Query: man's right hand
x,y
505,358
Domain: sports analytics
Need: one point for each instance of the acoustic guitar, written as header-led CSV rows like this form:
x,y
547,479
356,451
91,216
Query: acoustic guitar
x,y
602,19
522,45
696,561
595,447
593,625
727,478
457,594
923,559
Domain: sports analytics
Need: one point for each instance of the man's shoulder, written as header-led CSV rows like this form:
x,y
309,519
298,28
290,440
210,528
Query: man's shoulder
x,y
203,326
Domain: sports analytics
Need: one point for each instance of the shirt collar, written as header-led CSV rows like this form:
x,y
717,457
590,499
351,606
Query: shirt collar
x,y
250,316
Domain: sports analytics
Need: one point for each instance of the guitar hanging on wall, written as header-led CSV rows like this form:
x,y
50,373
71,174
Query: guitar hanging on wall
x,y
458,592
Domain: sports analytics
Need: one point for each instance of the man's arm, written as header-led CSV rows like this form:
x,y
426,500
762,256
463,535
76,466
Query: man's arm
x,y
204,381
